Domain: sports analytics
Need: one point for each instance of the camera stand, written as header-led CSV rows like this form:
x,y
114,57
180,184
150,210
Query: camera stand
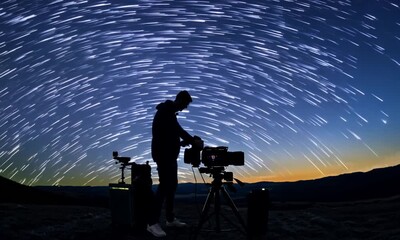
x,y
124,161
214,195
122,167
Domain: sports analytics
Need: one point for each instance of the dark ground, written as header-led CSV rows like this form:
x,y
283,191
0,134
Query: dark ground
x,y
367,220
331,208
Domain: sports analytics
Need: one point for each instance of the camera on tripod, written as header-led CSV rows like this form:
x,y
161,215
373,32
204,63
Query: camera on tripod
x,y
212,156
215,160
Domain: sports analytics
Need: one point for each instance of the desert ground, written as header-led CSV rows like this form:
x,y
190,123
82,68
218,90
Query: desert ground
x,y
373,220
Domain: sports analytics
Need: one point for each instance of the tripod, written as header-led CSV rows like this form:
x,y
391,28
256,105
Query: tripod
x,y
214,194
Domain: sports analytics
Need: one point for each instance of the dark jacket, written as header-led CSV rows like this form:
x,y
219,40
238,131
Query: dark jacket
x,y
165,144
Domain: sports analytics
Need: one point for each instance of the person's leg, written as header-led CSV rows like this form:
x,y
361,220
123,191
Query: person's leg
x,y
170,190
157,203
160,194
154,225
168,180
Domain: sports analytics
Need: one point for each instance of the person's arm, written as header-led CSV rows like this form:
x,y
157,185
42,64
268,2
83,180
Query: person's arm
x,y
187,138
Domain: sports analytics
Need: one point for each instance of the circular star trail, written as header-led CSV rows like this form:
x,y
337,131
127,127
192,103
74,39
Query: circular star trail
x,y
278,80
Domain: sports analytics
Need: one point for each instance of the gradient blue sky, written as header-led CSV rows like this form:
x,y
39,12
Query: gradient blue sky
x,y
306,89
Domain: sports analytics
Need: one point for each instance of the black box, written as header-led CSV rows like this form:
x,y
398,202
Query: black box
x,y
257,212
121,204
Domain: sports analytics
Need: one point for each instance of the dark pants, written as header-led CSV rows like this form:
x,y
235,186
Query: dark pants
x,y
168,181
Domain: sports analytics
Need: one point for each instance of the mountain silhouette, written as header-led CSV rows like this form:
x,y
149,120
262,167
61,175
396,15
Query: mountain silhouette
x,y
377,183
18,193
13,192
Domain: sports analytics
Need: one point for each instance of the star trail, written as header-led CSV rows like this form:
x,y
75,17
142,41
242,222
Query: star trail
x,y
306,89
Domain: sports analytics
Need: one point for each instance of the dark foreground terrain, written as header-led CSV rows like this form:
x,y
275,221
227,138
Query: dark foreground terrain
x,y
347,207
372,219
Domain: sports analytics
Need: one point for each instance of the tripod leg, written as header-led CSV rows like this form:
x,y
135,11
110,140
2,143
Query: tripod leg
x,y
234,208
206,207
217,208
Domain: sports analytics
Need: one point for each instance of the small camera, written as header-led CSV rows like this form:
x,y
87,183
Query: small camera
x,y
122,160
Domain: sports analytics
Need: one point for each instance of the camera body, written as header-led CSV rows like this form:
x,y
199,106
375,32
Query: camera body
x,y
220,156
213,157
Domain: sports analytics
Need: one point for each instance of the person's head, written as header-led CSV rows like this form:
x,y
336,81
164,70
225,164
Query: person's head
x,y
182,100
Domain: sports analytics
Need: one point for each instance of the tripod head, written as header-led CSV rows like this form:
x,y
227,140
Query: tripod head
x,y
219,174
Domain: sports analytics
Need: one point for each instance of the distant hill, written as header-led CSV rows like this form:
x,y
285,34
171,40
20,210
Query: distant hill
x,y
13,192
377,183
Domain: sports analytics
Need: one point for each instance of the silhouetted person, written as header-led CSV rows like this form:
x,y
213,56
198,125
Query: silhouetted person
x,y
165,148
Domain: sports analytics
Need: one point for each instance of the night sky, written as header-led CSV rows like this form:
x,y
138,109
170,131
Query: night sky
x,y
305,89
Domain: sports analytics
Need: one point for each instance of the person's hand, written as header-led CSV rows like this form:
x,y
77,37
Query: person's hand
x,y
184,143
196,137
198,143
